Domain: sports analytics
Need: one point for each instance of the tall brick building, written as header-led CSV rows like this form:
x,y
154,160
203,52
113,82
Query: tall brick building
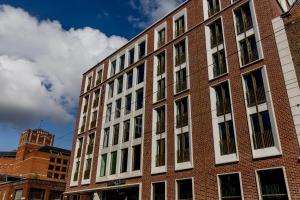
x,y
36,170
203,104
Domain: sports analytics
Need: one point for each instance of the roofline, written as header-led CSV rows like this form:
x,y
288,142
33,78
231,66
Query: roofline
x,y
138,35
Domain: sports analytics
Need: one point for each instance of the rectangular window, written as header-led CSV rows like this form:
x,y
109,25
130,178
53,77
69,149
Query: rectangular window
x,y
181,80
183,145
128,104
249,51
213,7
223,102
179,26
116,134
122,62
230,187
219,63
161,37
142,49
106,137
272,184
111,89
140,73
79,150
103,165
160,124
113,67
182,113
139,99
136,165
96,98
86,100
87,168
131,56
91,144
129,79
180,53
159,191
161,89
75,177
160,153
118,108
243,18
83,124
161,61
126,130
227,138
185,189
94,119
113,163
108,113
124,160
138,126
99,77
18,194
120,85
89,83
216,33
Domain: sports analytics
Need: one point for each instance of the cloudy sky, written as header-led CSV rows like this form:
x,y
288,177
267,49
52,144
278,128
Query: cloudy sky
x,y
45,46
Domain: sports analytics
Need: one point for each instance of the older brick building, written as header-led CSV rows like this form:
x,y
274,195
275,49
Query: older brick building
x,y
203,104
36,170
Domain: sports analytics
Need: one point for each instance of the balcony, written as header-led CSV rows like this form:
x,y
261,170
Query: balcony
x,y
93,124
182,120
227,146
183,155
160,127
181,85
96,102
260,97
180,59
160,160
263,139
220,109
90,149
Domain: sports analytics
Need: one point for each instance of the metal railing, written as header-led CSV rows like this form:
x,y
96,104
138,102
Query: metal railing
x,y
260,95
227,146
263,139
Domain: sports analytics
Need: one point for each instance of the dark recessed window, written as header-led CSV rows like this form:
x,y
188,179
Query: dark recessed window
x,y
184,189
63,169
58,160
56,176
230,187
51,167
159,192
49,175
57,168
52,159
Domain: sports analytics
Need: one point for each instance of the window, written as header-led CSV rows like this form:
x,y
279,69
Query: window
x,y
136,158
140,73
122,62
63,169
227,138
52,159
161,59
262,130
116,134
50,167
113,162
111,89
118,108
128,104
179,26
108,113
138,126
103,165
160,124
75,177
91,144
213,7
181,80
161,89
131,56
272,184
159,191
182,113
18,194
219,63
96,98
160,153
120,85
124,160
49,175
142,49
216,33
180,53
230,186
185,189
87,168
58,160
183,147
94,119
161,34
139,99
65,162
99,77
248,50
126,130
223,103
62,176
255,88
113,67
129,79
243,18
79,147
57,168
89,82
86,100
106,137
83,124
56,176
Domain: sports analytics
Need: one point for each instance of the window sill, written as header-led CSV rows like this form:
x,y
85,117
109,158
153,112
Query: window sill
x,y
266,153
226,159
183,166
218,77
251,63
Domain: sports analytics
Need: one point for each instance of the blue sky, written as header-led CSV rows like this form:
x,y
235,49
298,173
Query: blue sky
x,y
47,45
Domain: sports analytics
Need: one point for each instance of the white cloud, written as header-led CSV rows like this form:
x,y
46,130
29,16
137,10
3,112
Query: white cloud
x,y
151,10
41,66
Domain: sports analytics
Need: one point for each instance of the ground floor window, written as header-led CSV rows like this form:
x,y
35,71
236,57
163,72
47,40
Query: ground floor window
x,y
230,187
18,194
121,194
185,189
158,191
272,184
36,194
